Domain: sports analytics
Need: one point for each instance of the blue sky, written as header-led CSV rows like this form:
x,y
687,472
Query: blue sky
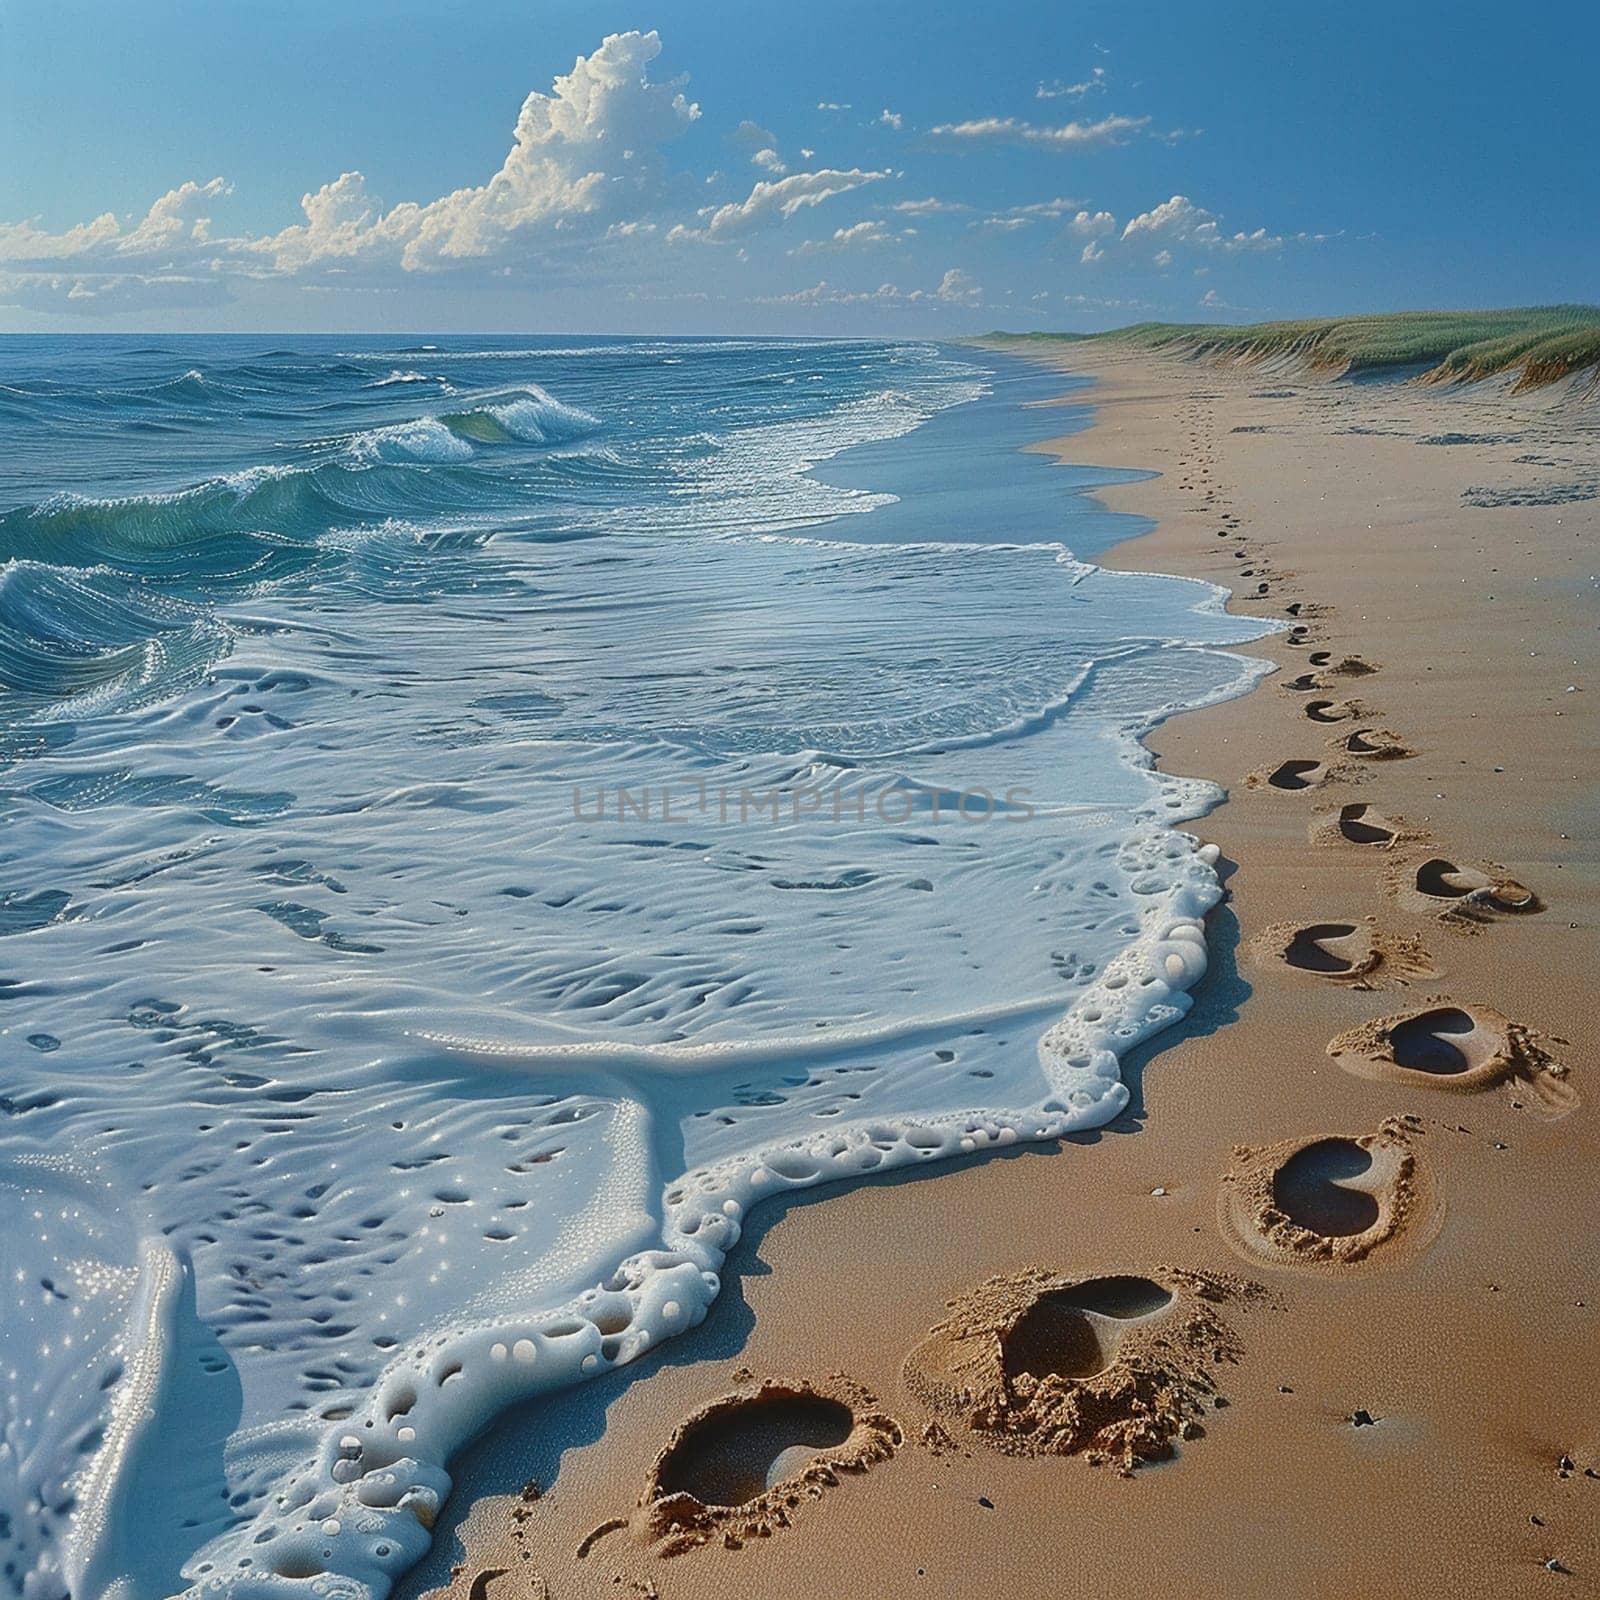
x,y
761,167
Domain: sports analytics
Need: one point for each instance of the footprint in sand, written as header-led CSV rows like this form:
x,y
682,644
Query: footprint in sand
x,y
1458,1048
1331,1201
1358,823
742,1466
1304,684
1357,953
1465,896
1290,777
1331,710
1111,1368
1375,744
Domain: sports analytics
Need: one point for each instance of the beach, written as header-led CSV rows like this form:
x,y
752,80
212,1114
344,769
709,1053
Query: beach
x,y
1410,1412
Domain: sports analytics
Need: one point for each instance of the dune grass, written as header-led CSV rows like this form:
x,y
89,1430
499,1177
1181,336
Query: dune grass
x,y
1539,343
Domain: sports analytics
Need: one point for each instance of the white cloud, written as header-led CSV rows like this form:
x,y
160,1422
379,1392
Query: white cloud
x,y
823,293
1092,252
762,143
22,241
1093,224
1072,91
1015,217
832,105
1058,207
958,287
177,224
891,119
1069,136
768,204
1180,221
929,207
583,156
860,235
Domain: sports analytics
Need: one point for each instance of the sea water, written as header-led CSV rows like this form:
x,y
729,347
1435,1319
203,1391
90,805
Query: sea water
x,y
477,815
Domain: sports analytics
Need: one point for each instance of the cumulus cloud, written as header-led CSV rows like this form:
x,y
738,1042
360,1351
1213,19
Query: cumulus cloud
x,y
582,157
959,288
582,152
768,204
891,119
1068,136
1180,221
1093,224
860,235
178,220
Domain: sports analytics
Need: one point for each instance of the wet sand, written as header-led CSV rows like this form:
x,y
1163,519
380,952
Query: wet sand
x,y
1428,1261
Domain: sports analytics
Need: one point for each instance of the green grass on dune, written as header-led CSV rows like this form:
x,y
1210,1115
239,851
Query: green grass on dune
x,y
1539,343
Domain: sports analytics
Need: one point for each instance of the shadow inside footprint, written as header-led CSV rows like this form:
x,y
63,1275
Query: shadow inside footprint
x,y
1308,949
1053,1338
1309,1191
1327,711
737,1453
1294,774
1360,744
1071,1332
1304,683
1360,824
1122,1296
1440,879
1427,1042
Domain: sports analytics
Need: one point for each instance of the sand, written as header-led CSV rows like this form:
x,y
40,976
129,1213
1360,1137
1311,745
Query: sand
x,y
1415,1412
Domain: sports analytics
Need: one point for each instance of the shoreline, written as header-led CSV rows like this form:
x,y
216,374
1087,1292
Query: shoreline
x,y
1443,1489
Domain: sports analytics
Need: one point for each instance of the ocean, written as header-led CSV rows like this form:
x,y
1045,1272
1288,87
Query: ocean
x,y
476,816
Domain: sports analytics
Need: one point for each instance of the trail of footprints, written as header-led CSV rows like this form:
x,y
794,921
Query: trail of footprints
x,y
1043,1363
